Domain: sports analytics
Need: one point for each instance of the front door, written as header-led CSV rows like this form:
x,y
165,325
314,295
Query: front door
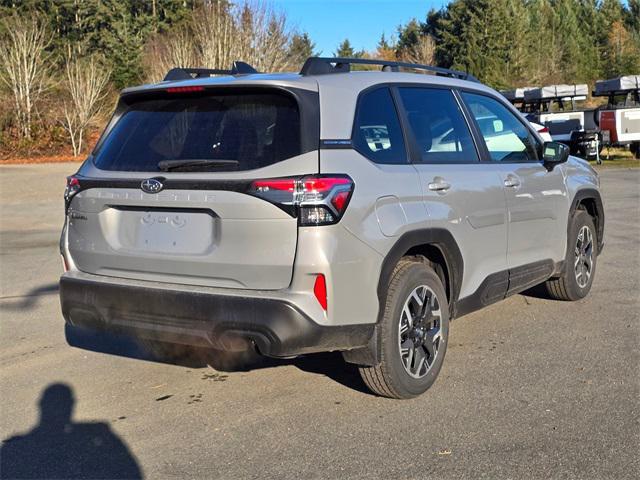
x,y
536,196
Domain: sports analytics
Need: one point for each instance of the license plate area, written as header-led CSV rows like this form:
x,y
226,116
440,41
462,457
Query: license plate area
x,y
157,230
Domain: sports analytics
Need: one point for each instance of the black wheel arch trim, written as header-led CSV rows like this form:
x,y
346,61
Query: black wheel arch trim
x,y
437,237
590,194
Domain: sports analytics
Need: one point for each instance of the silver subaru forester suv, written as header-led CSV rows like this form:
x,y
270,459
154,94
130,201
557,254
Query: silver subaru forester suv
x,y
338,209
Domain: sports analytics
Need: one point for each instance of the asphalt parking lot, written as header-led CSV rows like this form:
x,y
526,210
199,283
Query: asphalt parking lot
x,y
531,388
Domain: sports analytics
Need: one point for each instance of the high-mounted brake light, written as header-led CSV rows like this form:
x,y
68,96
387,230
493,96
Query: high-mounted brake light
x,y
194,88
316,200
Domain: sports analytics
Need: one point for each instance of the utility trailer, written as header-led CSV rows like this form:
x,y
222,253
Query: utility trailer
x,y
619,119
516,96
556,107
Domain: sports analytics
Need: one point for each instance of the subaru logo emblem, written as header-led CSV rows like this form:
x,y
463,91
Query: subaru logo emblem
x,y
151,185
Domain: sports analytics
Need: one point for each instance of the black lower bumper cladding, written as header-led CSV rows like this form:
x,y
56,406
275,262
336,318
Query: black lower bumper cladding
x,y
200,319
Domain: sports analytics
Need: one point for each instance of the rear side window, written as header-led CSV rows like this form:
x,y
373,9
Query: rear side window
x,y
506,137
377,133
438,126
249,130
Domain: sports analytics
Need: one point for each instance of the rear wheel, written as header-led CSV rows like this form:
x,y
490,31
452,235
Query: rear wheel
x,y
414,333
580,261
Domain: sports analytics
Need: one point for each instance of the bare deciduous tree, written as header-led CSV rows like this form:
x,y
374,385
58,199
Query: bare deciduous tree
x,y
24,65
86,82
215,34
250,31
166,52
423,52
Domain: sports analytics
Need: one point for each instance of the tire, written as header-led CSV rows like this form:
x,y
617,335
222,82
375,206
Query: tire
x,y
579,272
427,338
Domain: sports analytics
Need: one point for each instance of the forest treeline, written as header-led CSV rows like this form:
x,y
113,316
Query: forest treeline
x,y
63,61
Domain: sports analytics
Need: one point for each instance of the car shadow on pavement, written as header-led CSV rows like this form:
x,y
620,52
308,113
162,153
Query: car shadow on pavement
x,y
29,299
331,365
539,291
60,448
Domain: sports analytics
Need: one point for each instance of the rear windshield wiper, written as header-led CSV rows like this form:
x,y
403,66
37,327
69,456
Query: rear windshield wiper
x,y
168,165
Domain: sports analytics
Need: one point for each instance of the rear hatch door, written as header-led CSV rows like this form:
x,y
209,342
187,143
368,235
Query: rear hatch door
x,y
166,195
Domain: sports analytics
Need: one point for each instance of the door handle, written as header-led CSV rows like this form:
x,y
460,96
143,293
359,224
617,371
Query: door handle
x,y
511,181
439,185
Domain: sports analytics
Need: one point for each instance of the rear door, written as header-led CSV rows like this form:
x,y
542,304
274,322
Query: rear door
x,y
169,193
462,194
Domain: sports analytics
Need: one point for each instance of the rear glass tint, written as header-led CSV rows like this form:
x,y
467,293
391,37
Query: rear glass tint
x,y
255,130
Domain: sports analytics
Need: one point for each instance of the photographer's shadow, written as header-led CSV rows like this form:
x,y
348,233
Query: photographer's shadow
x,y
59,448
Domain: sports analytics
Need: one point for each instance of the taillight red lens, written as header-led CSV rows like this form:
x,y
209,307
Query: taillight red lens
x,y
339,201
73,187
287,184
543,130
324,184
185,89
320,291
316,200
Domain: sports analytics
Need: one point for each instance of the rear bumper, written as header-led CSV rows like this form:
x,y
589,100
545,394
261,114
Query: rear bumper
x,y
200,318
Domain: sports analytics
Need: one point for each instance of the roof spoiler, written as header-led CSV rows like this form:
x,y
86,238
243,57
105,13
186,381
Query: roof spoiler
x,y
330,65
177,74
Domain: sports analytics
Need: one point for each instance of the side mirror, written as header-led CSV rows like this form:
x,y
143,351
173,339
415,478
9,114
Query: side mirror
x,y
554,153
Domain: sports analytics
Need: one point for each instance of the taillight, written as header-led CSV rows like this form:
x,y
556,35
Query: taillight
x,y
543,130
316,200
73,187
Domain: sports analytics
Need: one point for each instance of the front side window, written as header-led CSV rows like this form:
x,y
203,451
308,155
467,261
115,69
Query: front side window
x,y
377,133
438,126
234,132
506,137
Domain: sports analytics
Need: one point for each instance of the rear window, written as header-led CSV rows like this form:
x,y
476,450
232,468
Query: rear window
x,y
248,130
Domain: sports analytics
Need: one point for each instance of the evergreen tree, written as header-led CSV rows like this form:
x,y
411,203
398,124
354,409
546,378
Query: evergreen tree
x,y
301,48
385,50
408,35
346,50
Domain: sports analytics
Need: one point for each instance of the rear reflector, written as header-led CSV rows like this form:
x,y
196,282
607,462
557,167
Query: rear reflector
x,y
320,291
65,267
185,89
316,200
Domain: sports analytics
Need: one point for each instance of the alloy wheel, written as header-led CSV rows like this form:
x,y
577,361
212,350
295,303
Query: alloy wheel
x,y
583,263
420,331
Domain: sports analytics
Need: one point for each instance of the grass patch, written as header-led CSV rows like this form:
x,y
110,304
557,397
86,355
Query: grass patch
x,y
616,158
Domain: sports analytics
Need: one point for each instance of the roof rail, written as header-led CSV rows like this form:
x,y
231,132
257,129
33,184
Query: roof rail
x,y
238,68
326,65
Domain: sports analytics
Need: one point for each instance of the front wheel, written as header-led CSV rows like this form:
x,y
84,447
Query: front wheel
x,y
580,261
414,333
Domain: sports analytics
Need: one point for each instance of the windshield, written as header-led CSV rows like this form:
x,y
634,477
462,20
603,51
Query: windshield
x,y
250,130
